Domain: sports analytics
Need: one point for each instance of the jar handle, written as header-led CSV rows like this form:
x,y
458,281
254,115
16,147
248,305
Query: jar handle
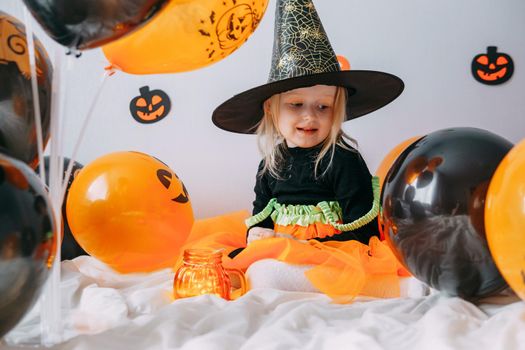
x,y
235,293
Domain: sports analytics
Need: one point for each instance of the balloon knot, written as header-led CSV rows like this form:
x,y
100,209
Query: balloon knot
x,y
111,69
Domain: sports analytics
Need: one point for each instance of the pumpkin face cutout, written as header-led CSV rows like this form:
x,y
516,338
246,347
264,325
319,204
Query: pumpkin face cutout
x,y
234,25
492,68
150,106
165,177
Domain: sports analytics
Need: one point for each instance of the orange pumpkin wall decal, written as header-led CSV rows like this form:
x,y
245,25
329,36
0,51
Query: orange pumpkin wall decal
x,y
493,67
150,106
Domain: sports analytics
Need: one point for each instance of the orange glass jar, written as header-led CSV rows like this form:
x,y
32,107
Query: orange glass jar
x,y
202,272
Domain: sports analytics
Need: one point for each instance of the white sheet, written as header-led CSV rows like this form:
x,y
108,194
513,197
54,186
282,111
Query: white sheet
x,y
105,310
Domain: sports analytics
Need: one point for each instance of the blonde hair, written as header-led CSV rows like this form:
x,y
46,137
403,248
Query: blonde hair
x,y
271,142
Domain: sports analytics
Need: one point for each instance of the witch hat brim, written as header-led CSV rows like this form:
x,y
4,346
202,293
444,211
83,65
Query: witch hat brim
x,y
367,92
302,57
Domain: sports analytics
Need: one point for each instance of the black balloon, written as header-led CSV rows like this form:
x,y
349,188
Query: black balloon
x,y
27,240
17,121
433,209
70,248
85,24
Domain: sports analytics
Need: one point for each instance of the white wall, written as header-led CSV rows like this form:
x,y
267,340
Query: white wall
x,y
429,44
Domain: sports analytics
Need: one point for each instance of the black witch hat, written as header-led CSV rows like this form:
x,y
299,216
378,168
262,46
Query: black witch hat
x,y
302,57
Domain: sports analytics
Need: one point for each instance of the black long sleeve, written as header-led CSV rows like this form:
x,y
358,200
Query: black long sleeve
x,y
263,194
347,181
352,186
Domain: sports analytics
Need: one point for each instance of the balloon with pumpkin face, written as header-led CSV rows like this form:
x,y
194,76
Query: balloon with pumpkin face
x,y
187,35
131,211
150,106
493,67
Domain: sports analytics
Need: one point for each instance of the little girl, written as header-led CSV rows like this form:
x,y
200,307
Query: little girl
x,y
314,223
311,178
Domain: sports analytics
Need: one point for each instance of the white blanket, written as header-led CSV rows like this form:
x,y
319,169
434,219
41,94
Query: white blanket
x,y
105,310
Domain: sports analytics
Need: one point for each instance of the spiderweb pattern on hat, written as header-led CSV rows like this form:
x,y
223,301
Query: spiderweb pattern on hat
x,y
301,45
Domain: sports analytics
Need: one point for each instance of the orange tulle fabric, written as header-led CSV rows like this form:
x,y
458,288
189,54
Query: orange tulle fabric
x,y
342,270
315,230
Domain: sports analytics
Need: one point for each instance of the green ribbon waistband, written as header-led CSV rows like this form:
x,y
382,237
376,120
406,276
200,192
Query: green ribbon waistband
x,y
325,212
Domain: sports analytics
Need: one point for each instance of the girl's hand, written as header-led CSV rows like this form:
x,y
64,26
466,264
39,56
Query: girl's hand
x,y
257,233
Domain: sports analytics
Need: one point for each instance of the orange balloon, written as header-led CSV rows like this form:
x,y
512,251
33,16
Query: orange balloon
x,y
391,157
383,169
131,211
505,218
186,35
343,62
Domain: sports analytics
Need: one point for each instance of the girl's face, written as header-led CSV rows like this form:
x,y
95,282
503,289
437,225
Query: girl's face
x,y
306,115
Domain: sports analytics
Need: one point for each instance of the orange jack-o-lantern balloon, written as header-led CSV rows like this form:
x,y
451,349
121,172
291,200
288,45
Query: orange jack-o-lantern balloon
x,y
505,218
130,211
187,35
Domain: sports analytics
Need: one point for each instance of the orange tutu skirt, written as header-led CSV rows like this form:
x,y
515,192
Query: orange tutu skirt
x,y
342,270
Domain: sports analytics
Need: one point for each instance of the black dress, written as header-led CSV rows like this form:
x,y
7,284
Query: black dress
x,y
347,181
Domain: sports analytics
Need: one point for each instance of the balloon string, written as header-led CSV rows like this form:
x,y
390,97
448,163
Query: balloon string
x,y
56,158
50,325
82,133
59,135
34,88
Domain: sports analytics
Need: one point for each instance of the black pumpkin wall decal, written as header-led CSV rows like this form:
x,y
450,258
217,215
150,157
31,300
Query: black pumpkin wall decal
x,y
493,67
150,106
